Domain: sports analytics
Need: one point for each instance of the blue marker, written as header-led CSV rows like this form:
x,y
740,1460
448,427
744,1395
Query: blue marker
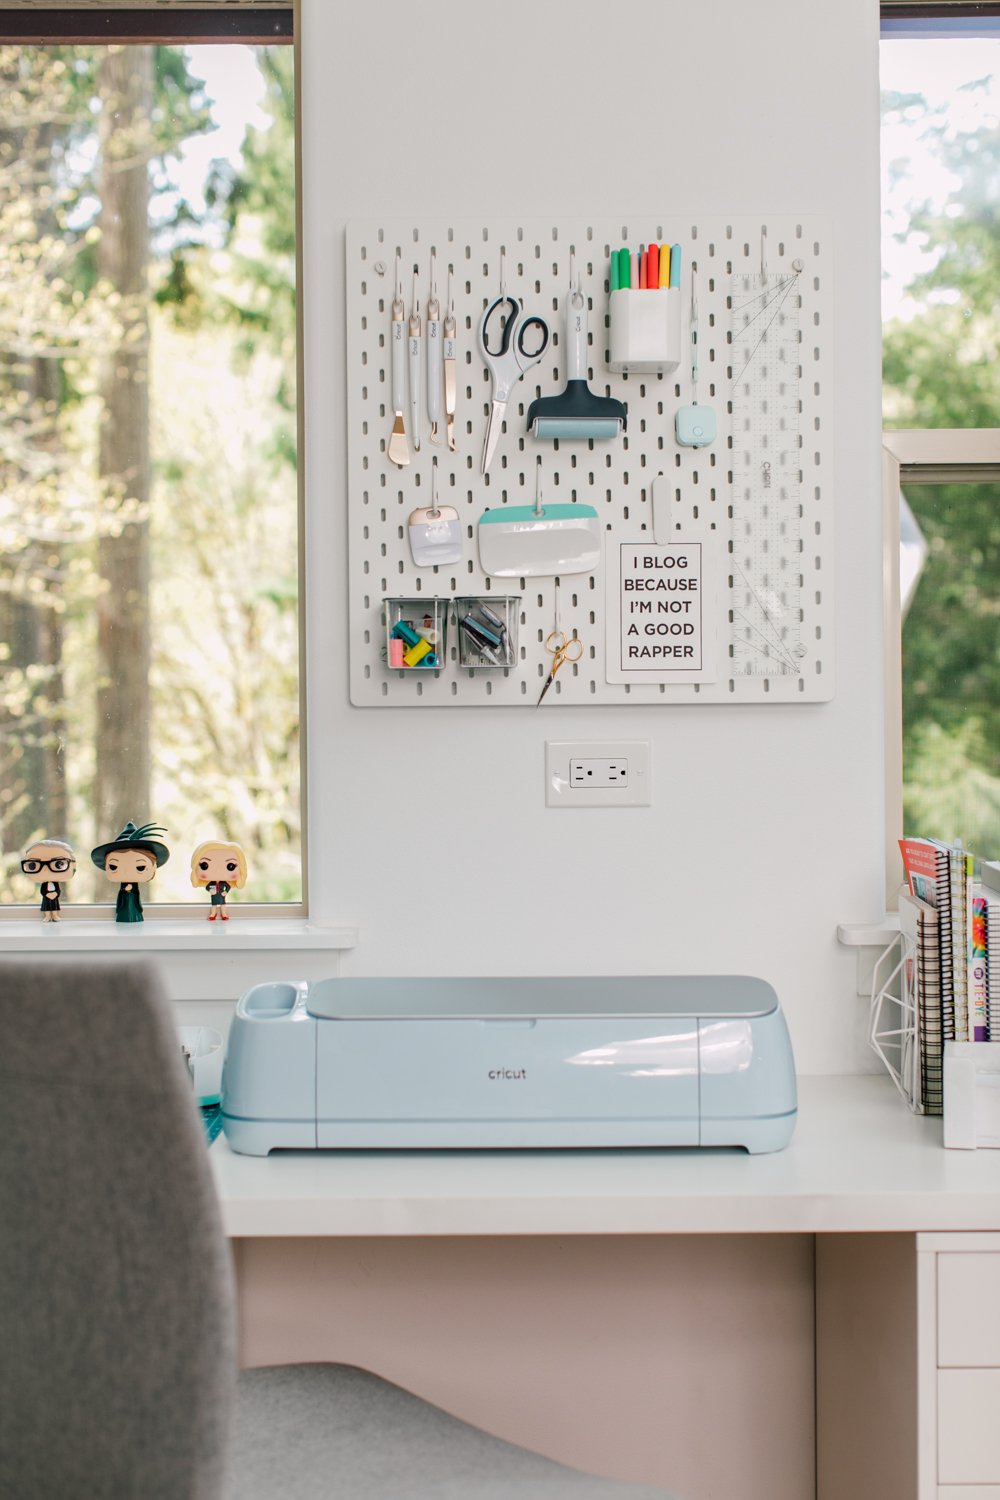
x,y
675,265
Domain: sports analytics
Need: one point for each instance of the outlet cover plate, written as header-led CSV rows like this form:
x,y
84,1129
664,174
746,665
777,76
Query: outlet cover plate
x,y
635,791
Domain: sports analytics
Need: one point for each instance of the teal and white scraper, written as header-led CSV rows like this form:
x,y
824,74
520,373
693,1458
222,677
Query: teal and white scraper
x,y
578,414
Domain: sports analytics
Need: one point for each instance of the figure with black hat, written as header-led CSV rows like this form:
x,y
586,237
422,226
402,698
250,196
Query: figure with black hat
x,y
130,861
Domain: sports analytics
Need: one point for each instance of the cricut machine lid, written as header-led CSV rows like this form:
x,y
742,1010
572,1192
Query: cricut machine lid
x,y
703,996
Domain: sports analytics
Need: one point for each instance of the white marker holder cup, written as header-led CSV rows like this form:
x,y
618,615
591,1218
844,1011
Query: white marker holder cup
x,y
645,330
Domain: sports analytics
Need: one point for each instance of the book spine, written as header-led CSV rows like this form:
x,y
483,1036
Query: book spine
x,y
945,966
959,943
993,966
978,983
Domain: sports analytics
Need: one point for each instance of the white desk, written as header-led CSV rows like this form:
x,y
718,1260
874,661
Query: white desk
x,y
858,1161
697,1272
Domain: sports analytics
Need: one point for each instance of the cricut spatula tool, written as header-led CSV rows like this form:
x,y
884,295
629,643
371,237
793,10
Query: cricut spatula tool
x,y
449,328
399,449
415,344
435,531
434,359
539,541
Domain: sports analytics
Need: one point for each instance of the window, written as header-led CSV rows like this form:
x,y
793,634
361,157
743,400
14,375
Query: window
x,y
941,261
149,501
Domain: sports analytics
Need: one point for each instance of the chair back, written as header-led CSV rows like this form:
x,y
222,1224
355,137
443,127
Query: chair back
x,y
117,1346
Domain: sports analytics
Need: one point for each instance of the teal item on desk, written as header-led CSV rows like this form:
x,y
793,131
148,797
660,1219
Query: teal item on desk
x,y
420,1064
211,1119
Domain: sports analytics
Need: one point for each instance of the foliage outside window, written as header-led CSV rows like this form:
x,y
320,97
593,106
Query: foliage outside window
x,y
941,363
149,616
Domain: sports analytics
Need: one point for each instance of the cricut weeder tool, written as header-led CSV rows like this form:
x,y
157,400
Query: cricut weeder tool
x,y
578,414
416,350
434,360
694,425
399,451
448,351
435,530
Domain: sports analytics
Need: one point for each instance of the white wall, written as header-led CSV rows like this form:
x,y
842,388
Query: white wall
x,y
429,827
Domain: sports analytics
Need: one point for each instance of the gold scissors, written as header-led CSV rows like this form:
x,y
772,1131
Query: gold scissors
x,y
563,648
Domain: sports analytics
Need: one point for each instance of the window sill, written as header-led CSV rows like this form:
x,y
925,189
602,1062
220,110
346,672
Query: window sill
x,y
199,960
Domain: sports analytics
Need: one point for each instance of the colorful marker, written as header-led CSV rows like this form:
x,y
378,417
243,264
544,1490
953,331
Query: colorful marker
x,y
664,266
675,265
652,267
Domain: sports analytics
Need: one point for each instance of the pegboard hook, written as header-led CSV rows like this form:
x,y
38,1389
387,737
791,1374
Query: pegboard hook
x,y
539,509
575,281
434,511
503,271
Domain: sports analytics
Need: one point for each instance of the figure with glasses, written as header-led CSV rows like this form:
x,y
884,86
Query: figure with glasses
x,y
49,863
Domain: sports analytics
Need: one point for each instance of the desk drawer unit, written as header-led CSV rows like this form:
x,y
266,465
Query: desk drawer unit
x,y
959,1365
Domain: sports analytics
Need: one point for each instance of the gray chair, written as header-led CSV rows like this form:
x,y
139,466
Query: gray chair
x,y
117,1346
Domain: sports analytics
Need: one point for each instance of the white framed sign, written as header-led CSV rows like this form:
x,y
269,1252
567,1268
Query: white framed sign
x,y
663,611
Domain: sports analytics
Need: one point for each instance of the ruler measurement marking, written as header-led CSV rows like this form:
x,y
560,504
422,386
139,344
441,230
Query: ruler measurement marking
x,y
765,541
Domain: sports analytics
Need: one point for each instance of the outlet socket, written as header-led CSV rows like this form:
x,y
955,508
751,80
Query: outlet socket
x,y
598,773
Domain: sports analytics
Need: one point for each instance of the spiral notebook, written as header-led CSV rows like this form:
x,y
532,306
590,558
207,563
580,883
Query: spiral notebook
x,y
993,964
929,876
920,922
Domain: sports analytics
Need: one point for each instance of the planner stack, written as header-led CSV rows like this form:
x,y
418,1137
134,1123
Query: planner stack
x,y
952,967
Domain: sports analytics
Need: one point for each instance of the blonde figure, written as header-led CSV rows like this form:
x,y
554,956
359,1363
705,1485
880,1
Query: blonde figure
x,y
218,868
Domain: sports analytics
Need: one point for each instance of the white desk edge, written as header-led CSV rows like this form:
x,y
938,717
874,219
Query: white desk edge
x,y
859,1161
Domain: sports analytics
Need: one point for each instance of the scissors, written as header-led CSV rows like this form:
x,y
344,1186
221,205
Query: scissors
x,y
522,343
563,648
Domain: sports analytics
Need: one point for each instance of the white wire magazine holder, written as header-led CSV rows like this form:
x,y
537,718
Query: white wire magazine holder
x,y
894,1026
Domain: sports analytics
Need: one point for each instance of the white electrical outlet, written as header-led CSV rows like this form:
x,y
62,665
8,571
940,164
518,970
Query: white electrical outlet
x,y
598,773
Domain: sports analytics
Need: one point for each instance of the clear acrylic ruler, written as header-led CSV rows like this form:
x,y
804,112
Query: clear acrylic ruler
x,y
767,474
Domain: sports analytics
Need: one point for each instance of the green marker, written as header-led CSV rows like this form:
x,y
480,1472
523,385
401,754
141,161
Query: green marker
x,y
615,282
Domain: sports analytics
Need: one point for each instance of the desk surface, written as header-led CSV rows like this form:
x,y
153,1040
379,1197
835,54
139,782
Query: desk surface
x,y
858,1161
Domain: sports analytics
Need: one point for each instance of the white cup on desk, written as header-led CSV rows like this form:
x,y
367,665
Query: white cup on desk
x,y
203,1047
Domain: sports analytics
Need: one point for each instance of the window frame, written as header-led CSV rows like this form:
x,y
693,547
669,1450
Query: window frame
x,y
915,455
243,23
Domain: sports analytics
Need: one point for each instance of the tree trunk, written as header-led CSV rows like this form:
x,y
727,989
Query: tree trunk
x,y
122,769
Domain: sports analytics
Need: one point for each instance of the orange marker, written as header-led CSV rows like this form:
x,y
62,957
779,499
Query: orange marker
x,y
643,263
652,267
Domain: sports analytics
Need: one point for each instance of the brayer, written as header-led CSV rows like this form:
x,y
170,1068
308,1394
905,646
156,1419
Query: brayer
x,y
578,414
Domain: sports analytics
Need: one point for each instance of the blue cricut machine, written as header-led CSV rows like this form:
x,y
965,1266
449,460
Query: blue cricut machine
x,y
493,1063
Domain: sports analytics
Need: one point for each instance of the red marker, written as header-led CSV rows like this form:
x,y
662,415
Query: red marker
x,y
653,267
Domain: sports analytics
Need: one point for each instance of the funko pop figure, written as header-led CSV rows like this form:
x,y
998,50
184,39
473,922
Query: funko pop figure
x,y
130,861
49,863
218,868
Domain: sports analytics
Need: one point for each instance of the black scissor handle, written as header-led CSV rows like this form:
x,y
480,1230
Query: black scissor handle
x,y
509,324
529,323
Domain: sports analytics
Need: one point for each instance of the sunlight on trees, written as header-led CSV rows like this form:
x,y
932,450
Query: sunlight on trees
x,y
148,497
941,366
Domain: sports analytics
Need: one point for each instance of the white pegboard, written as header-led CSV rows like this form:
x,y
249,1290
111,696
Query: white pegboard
x,y
789,535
